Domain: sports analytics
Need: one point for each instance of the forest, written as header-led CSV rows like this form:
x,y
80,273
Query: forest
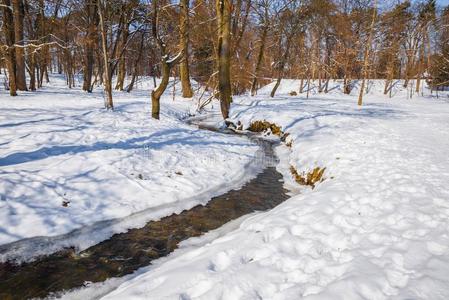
x,y
204,40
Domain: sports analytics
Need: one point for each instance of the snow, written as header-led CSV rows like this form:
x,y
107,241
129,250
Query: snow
x,y
73,174
375,228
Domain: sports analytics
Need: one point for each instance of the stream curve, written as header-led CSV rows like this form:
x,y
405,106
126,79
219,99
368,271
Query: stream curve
x,y
124,253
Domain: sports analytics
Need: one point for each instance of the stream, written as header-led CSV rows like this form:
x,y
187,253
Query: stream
x,y
124,253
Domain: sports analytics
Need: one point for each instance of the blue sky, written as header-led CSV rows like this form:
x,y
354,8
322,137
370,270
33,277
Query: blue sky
x,y
443,2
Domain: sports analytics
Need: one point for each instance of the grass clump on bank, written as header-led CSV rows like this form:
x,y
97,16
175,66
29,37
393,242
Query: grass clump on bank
x,y
310,178
265,126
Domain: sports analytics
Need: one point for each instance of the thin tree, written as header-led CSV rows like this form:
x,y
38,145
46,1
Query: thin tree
x,y
18,11
91,11
8,31
367,54
109,104
166,63
184,72
288,27
265,24
136,63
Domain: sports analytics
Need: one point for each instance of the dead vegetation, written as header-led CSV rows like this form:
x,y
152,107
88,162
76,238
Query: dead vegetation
x,y
269,128
265,126
310,178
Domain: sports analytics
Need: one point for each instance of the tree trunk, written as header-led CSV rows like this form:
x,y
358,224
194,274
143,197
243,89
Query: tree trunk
x,y
420,64
106,73
166,63
259,59
91,37
347,77
122,64
366,55
276,86
18,11
281,64
136,64
157,93
224,55
308,85
184,73
326,86
32,72
45,52
8,32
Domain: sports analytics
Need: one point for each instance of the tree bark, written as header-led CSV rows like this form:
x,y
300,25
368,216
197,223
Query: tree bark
x,y
157,93
224,55
90,43
32,71
122,64
8,32
136,64
166,63
18,11
281,63
109,104
259,59
42,59
184,73
366,55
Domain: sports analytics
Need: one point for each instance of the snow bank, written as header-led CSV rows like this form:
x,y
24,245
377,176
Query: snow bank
x,y
67,164
376,228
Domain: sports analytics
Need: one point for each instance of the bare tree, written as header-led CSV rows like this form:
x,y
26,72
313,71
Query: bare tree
x,y
184,72
288,27
18,11
223,8
8,31
264,17
90,43
167,63
107,74
367,54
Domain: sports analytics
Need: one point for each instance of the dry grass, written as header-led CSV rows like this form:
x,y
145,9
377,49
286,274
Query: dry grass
x,y
264,126
310,178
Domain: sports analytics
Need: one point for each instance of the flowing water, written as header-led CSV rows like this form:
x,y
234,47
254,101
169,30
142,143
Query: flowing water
x,y
126,252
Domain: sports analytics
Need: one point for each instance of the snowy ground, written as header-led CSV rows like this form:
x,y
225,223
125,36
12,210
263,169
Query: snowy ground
x,y
376,228
66,164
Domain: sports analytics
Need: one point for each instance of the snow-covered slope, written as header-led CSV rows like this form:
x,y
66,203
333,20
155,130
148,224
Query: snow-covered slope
x,y
66,163
376,228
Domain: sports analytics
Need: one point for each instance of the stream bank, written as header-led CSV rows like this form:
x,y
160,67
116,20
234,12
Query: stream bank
x,y
126,252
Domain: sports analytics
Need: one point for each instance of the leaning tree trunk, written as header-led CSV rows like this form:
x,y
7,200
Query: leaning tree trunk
x,y
8,32
184,73
166,63
18,11
276,85
157,93
224,55
281,64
